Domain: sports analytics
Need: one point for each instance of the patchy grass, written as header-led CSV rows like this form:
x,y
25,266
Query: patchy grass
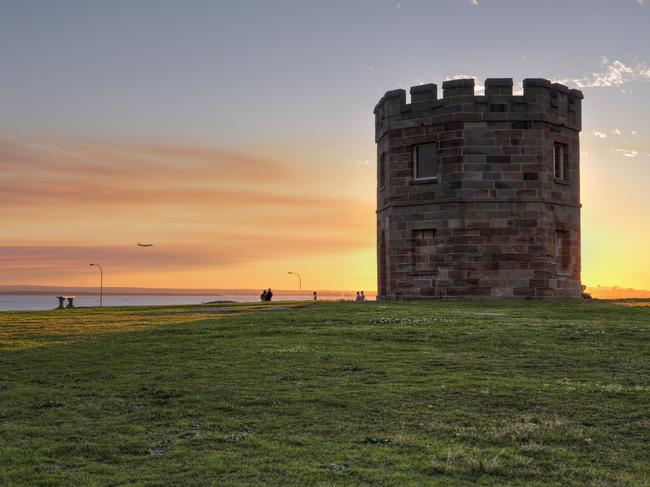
x,y
443,393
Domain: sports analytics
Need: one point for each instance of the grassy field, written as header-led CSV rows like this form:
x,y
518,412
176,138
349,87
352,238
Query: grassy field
x,y
446,393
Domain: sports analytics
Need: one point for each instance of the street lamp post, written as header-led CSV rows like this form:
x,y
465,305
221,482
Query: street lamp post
x,y
101,283
299,280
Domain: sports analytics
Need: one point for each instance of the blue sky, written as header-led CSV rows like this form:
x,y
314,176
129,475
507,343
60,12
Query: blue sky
x,y
297,81
208,70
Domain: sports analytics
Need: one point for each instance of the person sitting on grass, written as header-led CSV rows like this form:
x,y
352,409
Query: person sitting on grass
x,y
358,298
363,297
263,296
269,294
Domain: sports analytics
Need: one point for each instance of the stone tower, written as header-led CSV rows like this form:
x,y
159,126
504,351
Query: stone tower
x,y
479,195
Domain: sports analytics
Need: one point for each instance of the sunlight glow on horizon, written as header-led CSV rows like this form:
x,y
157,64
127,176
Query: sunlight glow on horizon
x,y
205,237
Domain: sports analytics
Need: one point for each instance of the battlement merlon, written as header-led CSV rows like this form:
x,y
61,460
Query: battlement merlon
x,y
498,87
542,100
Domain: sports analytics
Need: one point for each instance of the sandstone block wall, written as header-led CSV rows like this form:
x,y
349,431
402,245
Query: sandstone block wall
x,y
496,221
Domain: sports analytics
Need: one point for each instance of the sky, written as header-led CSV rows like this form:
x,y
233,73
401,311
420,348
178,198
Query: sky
x,y
237,137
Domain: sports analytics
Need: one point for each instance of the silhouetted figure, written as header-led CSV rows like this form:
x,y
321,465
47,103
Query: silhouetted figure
x,y
358,298
315,296
263,296
363,297
269,294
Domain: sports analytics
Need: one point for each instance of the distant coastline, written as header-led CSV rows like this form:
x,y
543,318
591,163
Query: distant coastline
x,y
142,291
600,292
615,292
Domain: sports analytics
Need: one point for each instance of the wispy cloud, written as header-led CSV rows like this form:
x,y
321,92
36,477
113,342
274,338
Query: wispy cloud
x,y
614,133
360,162
626,152
40,263
64,204
117,174
612,73
127,161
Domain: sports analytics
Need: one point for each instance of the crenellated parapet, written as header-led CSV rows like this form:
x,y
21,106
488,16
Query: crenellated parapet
x,y
541,100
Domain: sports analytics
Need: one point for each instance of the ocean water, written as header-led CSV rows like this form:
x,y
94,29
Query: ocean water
x,y
16,302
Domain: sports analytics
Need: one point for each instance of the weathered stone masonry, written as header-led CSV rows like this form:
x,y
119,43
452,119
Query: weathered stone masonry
x,y
499,213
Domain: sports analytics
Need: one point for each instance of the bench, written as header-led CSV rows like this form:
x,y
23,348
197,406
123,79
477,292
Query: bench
x,y
62,300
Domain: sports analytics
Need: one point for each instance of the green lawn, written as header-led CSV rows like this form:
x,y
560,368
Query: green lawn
x,y
441,393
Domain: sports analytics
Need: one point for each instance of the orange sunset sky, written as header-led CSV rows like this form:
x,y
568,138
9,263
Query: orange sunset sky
x,y
238,139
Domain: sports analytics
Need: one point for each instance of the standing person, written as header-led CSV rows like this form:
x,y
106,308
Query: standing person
x,y
263,296
363,297
315,296
269,294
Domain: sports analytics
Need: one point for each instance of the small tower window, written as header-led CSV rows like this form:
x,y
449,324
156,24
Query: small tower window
x,y
383,268
425,161
382,170
563,250
423,249
498,107
560,161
